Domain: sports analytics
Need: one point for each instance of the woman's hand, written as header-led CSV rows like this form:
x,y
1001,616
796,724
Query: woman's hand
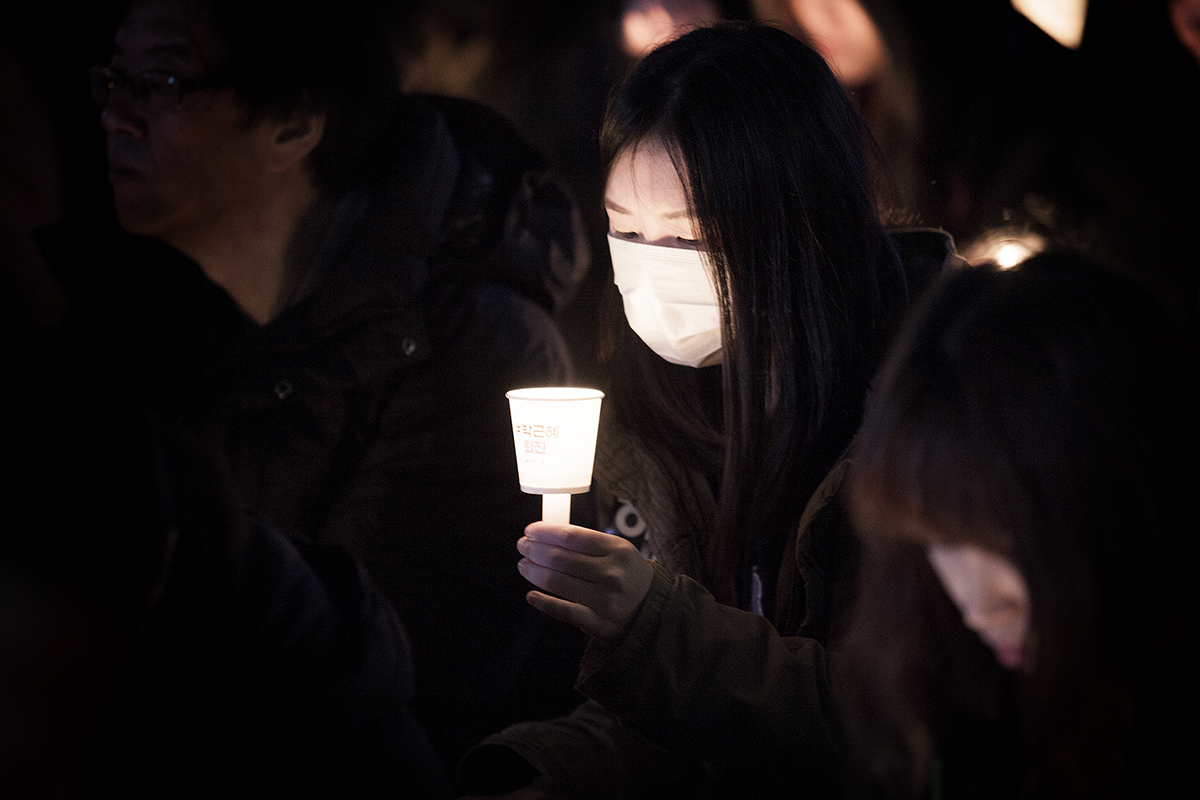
x,y
599,579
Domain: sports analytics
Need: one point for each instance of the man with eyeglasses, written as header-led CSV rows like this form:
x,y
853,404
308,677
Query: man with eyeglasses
x,y
333,285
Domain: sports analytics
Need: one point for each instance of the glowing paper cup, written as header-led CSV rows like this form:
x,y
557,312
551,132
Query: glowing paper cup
x,y
554,432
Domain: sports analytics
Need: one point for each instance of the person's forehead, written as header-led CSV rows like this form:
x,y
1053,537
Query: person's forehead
x,y
175,30
648,172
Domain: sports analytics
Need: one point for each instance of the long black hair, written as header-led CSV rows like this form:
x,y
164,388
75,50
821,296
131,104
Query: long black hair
x,y
1051,414
770,151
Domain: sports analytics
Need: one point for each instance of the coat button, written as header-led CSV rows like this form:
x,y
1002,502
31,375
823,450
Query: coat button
x,y
408,346
283,389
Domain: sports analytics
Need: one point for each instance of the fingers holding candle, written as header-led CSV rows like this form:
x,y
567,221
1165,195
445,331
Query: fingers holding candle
x,y
593,580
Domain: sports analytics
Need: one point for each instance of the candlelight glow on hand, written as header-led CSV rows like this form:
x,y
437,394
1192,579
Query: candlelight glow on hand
x,y
554,434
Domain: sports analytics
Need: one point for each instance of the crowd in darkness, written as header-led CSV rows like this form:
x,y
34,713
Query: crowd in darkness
x,y
1004,128
268,268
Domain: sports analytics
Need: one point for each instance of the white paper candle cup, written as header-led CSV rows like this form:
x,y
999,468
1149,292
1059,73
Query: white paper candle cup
x,y
554,433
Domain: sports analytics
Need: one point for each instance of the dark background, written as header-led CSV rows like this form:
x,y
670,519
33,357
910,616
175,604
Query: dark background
x,y
1096,147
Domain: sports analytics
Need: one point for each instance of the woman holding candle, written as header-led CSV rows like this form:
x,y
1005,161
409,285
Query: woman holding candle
x,y
759,290
1024,484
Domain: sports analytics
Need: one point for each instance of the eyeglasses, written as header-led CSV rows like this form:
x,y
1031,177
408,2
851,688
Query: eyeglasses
x,y
160,89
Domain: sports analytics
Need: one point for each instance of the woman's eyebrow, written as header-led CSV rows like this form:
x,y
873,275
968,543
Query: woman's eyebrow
x,y
611,206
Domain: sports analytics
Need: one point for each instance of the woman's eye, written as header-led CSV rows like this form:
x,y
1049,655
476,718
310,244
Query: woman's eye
x,y
625,234
688,242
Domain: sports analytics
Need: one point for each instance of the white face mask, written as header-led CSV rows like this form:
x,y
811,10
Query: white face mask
x,y
670,300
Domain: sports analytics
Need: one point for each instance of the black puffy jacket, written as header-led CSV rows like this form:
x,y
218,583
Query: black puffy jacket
x,y
371,412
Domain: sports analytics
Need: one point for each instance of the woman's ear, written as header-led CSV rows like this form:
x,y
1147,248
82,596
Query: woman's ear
x,y
294,137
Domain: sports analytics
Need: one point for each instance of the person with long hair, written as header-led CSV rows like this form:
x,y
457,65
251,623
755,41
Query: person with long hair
x,y
806,287
1025,485
759,289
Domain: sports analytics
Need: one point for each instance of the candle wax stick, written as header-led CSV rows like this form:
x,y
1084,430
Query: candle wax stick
x,y
556,508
